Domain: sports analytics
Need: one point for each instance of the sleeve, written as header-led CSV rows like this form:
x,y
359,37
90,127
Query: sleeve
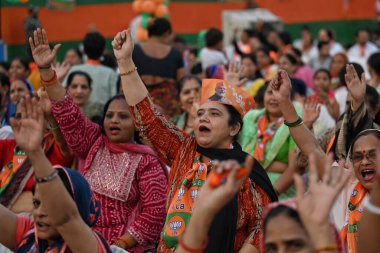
x,y
247,136
291,144
256,226
6,151
152,186
23,225
179,60
165,137
80,132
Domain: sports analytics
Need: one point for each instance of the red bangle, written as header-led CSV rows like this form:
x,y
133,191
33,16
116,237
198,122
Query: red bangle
x,y
191,250
127,244
50,82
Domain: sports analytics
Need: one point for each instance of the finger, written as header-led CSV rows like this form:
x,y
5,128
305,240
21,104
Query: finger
x,y
313,170
15,124
44,37
31,44
327,173
39,114
35,38
129,35
28,108
39,36
343,179
21,108
55,49
300,187
33,109
354,73
363,79
242,81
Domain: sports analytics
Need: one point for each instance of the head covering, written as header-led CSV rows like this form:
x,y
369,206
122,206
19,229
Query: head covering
x,y
292,204
220,91
88,207
215,71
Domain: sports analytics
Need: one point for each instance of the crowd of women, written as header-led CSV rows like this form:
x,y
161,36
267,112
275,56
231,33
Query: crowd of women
x,y
261,146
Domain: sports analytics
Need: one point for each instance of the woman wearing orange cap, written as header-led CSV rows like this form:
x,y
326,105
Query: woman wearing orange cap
x,y
238,226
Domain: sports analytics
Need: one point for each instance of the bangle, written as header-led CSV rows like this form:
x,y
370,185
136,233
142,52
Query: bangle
x,y
327,248
192,250
298,122
52,127
40,180
44,67
371,207
50,82
128,72
125,241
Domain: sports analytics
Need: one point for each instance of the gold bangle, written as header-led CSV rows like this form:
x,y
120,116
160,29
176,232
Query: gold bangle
x,y
128,72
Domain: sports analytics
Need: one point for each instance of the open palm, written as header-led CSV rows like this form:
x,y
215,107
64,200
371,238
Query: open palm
x,y
28,127
355,85
42,54
314,207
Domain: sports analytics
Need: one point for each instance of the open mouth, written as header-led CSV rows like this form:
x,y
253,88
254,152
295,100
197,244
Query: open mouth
x,y
204,129
114,130
368,174
42,226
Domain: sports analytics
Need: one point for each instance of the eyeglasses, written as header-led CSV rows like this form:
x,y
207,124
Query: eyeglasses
x,y
358,157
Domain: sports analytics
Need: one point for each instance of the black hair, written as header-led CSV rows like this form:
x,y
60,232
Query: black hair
x,y
116,97
330,33
259,97
305,28
358,68
249,32
322,71
185,78
285,211
297,52
23,62
372,97
252,57
265,50
321,44
65,180
298,86
196,69
362,30
158,27
5,65
374,62
94,44
291,59
285,38
193,51
4,80
374,132
80,73
108,60
213,37
77,52
234,118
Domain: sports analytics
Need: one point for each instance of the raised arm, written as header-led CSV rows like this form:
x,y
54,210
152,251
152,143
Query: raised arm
x,y
302,136
62,212
165,137
7,228
79,132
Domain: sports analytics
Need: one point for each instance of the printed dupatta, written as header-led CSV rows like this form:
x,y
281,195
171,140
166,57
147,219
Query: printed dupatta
x,y
349,232
181,206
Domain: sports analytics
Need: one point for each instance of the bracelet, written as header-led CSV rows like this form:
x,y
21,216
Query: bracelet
x,y
126,242
50,82
52,127
327,248
192,250
40,180
298,122
371,207
128,72
44,67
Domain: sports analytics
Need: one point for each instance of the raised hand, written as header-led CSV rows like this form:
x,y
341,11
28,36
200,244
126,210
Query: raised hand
x,y
61,69
281,86
28,127
44,102
233,73
314,207
356,86
311,111
211,200
123,45
42,54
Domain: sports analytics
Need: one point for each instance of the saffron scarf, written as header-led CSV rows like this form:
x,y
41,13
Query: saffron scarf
x,y
265,132
89,210
349,232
